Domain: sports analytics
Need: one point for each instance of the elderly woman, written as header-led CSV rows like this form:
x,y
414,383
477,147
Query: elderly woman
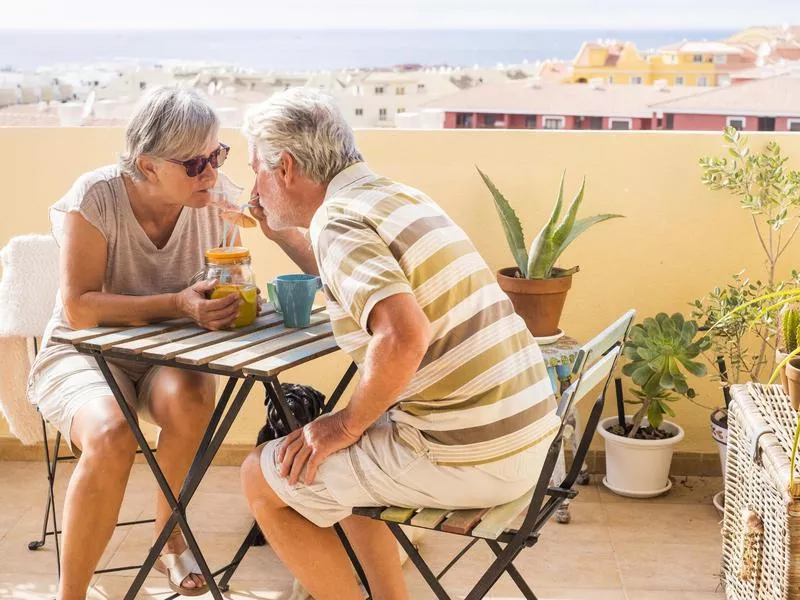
x,y
132,236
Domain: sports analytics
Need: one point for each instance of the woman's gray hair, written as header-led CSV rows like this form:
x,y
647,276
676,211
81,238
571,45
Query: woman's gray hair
x,y
168,122
307,124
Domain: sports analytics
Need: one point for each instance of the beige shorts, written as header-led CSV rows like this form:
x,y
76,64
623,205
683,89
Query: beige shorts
x,y
63,384
380,471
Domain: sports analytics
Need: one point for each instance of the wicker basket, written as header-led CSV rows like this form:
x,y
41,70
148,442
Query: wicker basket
x,y
761,526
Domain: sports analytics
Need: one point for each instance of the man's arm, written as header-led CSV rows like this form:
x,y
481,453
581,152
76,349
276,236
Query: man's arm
x,y
296,246
293,242
400,338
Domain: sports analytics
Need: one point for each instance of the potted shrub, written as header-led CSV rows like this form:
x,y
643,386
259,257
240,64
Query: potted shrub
x,y
536,286
787,354
661,351
736,353
770,192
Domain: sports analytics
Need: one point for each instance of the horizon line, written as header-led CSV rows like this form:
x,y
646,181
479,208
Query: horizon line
x,y
632,28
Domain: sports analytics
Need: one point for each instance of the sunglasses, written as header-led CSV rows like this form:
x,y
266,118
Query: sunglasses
x,y
195,166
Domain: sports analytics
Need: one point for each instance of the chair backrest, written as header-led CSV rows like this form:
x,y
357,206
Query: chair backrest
x,y
599,345
599,372
595,366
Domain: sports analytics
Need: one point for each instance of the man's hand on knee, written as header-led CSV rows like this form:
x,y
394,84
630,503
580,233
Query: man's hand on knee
x,y
309,446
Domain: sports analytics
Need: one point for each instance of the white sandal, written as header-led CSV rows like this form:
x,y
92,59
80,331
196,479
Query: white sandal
x,y
177,567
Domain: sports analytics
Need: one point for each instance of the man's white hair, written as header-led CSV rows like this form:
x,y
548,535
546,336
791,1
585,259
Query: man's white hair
x,y
168,123
307,124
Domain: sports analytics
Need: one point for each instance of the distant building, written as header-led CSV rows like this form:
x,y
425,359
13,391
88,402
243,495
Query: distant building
x,y
683,64
771,43
547,105
766,71
769,104
374,99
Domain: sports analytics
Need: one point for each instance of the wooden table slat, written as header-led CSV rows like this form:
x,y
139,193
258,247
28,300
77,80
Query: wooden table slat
x,y
168,351
171,350
286,360
289,339
129,334
142,344
207,354
79,335
136,345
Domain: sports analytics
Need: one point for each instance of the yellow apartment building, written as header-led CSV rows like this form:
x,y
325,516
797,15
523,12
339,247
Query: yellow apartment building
x,y
685,63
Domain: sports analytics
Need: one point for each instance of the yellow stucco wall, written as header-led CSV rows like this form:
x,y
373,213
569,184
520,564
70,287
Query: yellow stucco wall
x,y
678,240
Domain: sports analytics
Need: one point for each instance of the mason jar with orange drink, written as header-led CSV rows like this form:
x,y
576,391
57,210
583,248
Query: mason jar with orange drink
x,y
231,268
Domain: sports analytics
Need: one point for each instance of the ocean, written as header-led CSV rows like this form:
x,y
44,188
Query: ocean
x,y
319,49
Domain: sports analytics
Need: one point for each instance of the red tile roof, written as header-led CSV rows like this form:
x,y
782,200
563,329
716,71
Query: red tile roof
x,y
773,96
549,98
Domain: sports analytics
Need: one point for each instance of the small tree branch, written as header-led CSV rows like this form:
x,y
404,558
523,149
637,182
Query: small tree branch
x,y
761,237
788,242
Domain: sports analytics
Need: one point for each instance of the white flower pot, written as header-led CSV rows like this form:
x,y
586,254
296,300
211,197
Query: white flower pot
x,y
638,468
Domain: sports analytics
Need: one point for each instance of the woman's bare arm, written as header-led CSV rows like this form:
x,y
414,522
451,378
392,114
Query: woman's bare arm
x,y
83,266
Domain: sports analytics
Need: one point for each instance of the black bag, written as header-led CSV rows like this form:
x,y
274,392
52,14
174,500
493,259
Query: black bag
x,y
305,403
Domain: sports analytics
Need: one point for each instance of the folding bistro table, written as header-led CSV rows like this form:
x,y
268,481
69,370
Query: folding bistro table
x,y
258,352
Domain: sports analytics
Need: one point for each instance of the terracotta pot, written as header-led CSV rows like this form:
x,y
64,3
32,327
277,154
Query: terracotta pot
x,y
793,377
538,301
780,356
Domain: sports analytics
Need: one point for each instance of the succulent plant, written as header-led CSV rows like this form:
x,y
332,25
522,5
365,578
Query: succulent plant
x,y
661,351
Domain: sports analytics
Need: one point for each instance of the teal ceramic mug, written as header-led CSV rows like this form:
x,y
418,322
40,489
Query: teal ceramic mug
x,y
293,297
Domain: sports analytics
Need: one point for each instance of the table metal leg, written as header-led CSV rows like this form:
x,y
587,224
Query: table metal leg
x,y
238,557
337,393
206,452
275,393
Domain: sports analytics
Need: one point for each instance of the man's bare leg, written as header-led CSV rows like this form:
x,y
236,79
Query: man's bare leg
x,y
376,549
313,554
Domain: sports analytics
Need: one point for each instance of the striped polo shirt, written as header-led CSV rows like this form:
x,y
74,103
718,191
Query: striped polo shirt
x,y
482,391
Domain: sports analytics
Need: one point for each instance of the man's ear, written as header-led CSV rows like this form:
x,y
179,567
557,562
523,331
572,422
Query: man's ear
x,y
288,168
147,166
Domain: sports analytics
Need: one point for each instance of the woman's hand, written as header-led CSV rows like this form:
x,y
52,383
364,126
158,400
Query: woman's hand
x,y
211,314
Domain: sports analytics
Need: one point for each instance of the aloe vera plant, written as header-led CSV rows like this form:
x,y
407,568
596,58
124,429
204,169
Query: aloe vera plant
x,y
553,238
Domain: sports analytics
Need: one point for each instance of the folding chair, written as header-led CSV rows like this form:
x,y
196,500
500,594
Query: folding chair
x,y
593,367
33,287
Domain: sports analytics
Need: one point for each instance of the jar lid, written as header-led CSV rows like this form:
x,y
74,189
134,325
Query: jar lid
x,y
227,255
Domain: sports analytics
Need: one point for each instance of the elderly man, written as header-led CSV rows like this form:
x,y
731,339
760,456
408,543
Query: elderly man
x,y
453,409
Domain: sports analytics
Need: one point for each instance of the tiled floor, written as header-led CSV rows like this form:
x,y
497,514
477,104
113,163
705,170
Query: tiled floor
x,y
614,549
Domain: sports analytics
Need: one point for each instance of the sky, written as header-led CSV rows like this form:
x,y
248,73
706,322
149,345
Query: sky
x,y
396,14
